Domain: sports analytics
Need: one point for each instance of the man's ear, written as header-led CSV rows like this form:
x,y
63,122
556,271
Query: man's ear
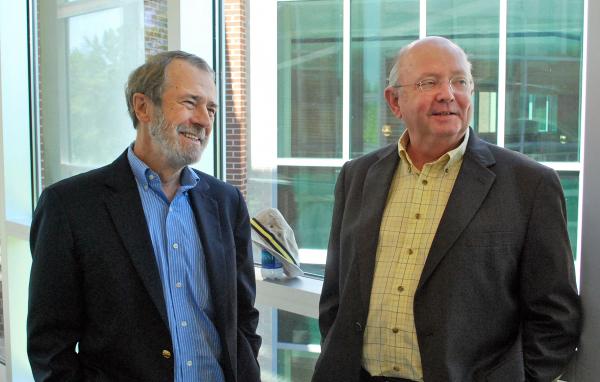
x,y
143,107
391,97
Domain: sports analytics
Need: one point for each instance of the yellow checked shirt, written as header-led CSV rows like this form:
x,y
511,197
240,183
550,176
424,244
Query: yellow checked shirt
x,y
416,202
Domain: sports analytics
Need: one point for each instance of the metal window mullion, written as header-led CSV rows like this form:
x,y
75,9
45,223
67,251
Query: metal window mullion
x,y
34,117
346,76
501,114
422,18
563,166
582,119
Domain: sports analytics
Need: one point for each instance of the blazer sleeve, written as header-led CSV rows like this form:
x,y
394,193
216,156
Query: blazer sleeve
x,y
246,283
330,295
549,300
55,299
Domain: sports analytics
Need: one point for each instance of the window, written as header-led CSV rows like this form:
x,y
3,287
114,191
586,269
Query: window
x,y
86,51
332,61
544,50
324,64
313,92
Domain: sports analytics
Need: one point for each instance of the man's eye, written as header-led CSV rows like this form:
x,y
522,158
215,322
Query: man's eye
x,y
427,84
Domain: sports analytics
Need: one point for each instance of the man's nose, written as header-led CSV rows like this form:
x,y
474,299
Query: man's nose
x,y
445,92
202,116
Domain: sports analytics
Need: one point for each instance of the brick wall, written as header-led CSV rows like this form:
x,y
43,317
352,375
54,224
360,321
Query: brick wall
x,y
235,93
155,26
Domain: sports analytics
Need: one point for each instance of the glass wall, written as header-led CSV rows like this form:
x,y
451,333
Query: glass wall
x,y
544,51
333,59
378,28
15,188
86,51
291,345
474,25
309,72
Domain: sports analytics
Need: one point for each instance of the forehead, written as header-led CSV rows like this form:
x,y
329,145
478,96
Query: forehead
x,y
183,78
433,58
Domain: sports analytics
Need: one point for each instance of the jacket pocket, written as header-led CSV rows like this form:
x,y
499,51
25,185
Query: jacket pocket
x,y
510,369
490,239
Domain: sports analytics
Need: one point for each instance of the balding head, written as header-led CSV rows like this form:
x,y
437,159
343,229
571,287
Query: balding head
x,y
430,91
398,69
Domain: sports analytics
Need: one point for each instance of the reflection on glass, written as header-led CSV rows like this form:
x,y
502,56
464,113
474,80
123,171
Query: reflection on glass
x,y
305,198
290,347
85,58
379,29
297,329
297,366
18,261
294,330
99,63
309,78
304,195
474,25
570,184
544,47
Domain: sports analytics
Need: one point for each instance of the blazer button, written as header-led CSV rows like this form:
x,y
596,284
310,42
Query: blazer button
x,y
358,327
166,354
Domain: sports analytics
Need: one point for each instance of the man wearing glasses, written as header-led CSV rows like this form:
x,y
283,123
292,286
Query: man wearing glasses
x,y
448,257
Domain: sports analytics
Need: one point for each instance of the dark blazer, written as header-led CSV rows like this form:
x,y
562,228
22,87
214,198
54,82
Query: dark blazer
x,y
496,300
95,282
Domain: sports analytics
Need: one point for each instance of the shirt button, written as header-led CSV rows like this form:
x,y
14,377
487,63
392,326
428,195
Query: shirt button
x,y
151,177
145,187
189,363
400,288
395,330
417,216
178,285
184,323
424,182
166,354
396,368
357,327
175,245
410,251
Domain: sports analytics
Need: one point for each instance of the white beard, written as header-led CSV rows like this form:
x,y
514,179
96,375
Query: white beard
x,y
166,136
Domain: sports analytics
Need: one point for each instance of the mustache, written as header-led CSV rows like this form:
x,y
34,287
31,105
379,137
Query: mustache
x,y
196,130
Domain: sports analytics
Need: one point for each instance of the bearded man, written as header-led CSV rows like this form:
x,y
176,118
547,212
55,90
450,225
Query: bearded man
x,y
142,269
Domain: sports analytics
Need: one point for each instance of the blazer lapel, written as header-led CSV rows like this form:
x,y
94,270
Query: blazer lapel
x,y
376,187
208,218
470,189
125,207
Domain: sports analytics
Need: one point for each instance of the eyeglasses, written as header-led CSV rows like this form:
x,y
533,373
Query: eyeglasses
x,y
459,84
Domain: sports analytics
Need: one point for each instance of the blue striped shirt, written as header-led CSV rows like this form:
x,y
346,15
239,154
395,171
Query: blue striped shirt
x,y
182,268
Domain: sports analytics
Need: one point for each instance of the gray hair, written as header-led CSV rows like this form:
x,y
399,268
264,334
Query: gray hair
x,y
149,78
395,71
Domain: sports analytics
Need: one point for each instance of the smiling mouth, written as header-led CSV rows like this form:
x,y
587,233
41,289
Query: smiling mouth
x,y
444,113
200,137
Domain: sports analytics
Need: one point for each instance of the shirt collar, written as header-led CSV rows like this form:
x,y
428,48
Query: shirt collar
x,y
145,175
449,158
